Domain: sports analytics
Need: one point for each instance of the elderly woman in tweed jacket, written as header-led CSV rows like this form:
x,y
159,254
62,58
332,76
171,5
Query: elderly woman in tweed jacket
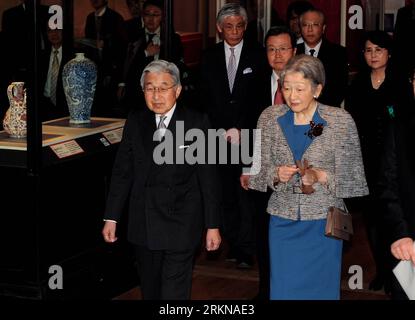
x,y
304,263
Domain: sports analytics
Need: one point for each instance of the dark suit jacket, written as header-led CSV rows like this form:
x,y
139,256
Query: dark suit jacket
x,y
48,110
169,204
267,100
334,59
241,108
16,27
397,191
114,36
133,28
404,37
369,108
135,62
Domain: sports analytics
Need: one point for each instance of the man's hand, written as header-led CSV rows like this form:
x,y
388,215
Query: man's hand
x,y
244,179
120,93
152,49
213,239
108,232
403,249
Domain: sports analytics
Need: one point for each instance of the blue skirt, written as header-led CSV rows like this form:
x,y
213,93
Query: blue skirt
x,y
305,264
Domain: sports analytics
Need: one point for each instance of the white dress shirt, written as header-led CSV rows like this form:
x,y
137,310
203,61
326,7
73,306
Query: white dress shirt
x,y
316,48
237,51
168,116
156,41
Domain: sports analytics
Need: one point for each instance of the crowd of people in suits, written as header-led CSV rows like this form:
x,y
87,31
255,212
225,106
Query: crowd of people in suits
x,y
304,78
236,86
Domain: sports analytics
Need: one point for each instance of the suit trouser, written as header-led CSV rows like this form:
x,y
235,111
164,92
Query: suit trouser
x,y
165,274
238,207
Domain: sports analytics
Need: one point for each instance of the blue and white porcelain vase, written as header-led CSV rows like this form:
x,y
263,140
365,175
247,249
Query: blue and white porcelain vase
x,y
79,81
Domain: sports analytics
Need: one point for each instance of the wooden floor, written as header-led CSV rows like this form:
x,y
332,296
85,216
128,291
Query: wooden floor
x,y
220,280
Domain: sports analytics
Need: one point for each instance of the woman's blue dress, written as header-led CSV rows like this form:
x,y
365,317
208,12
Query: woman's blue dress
x,y
305,264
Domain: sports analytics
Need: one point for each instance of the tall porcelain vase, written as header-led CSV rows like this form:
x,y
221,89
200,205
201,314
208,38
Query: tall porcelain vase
x,y
79,81
14,122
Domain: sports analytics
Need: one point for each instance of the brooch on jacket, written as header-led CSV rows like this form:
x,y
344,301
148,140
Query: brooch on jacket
x,y
315,130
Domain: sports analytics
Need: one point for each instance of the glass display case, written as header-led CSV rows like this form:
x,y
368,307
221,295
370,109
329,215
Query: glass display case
x,y
54,181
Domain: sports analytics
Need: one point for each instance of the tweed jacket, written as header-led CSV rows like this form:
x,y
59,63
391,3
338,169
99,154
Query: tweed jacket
x,y
336,151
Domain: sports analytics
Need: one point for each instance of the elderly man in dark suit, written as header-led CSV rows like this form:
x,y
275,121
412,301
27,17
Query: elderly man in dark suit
x,y
170,204
231,91
333,56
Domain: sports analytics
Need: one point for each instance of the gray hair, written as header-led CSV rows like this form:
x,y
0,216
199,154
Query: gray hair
x,y
310,67
229,10
162,66
319,13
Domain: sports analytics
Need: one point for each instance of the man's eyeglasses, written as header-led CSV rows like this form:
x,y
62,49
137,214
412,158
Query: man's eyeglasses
x,y
152,90
311,24
376,51
281,50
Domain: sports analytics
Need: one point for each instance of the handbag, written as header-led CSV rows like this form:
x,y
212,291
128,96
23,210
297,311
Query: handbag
x,y
339,224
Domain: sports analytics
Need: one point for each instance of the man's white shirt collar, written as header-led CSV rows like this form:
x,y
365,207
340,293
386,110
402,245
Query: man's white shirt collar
x,y
101,12
316,48
238,51
168,116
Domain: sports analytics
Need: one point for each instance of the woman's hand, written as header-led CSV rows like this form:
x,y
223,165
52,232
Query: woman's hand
x,y
310,177
285,173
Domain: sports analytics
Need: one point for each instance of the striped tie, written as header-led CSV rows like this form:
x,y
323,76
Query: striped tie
x,y
232,68
161,128
54,76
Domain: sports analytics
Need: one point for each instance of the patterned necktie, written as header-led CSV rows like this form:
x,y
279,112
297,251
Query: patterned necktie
x,y
312,51
232,69
278,98
54,76
161,128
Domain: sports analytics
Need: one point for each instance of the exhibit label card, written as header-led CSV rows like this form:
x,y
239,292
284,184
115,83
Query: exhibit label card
x,y
114,136
66,149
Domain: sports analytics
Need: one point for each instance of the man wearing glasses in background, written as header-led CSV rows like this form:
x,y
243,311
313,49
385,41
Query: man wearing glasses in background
x,y
231,89
170,205
147,48
333,56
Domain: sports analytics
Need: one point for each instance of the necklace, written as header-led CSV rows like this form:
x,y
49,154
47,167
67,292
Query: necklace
x,y
380,80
